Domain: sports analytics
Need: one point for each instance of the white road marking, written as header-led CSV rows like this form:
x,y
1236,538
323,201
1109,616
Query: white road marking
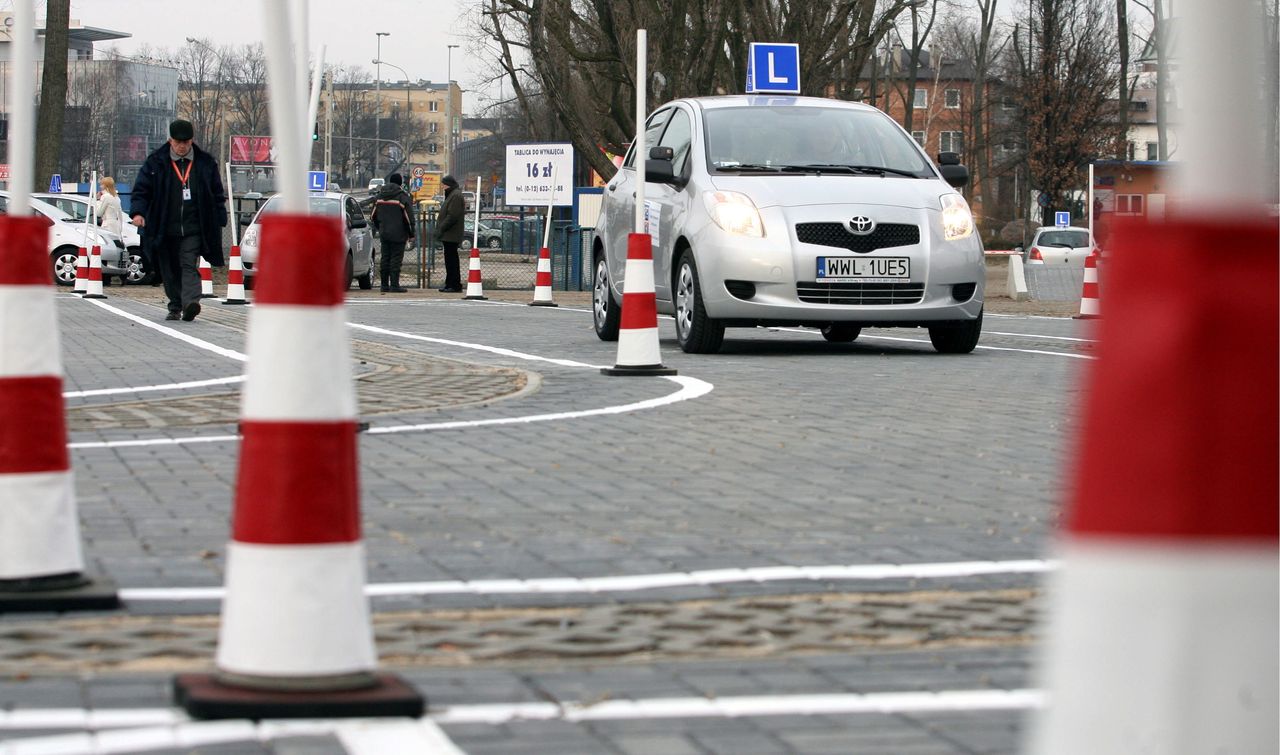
x,y
475,346
634,582
172,332
163,387
1034,335
980,346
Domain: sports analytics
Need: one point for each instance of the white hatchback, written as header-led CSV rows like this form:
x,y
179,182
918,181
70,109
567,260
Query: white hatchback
x,y
65,239
793,211
1068,246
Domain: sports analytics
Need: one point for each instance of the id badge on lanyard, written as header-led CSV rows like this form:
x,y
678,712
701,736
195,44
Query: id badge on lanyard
x,y
184,176
186,193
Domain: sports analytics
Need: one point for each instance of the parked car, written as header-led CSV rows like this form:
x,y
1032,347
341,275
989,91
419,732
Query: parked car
x,y
360,252
1068,246
78,208
490,236
65,239
794,211
375,184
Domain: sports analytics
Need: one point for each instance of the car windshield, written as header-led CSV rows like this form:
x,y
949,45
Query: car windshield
x,y
1073,239
317,205
787,139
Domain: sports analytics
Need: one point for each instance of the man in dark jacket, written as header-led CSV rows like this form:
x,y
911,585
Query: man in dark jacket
x,y
451,228
393,219
179,203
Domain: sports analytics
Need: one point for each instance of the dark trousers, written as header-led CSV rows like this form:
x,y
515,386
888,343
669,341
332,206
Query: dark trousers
x,y
178,258
392,259
452,277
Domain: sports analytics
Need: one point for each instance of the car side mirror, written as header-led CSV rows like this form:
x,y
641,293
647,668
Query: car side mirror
x,y
948,158
361,223
658,168
956,175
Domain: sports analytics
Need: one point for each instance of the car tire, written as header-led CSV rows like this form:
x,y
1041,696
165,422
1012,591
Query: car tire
x,y
464,245
366,281
63,262
348,272
494,242
838,332
696,333
137,274
956,338
606,310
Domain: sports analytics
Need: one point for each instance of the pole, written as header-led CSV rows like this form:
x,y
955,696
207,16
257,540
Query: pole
x,y
475,226
22,130
313,105
642,63
1091,239
232,220
291,174
551,203
377,113
448,113
328,133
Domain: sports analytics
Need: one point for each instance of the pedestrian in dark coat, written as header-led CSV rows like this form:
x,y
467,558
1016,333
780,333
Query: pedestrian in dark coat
x,y
181,206
393,218
451,228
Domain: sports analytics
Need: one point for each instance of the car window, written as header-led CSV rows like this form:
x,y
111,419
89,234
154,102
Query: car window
x,y
77,210
651,133
809,136
354,214
318,206
679,137
1075,239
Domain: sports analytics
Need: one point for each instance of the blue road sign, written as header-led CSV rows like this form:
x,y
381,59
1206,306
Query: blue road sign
x,y
773,67
1062,219
317,180
55,184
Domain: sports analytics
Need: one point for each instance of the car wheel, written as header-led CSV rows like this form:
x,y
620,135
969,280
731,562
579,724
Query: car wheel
x,y
607,312
464,245
697,333
248,282
348,273
841,333
956,338
64,265
106,280
494,242
136,271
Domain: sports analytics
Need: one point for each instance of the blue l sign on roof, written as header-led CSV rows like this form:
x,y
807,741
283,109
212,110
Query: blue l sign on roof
x,y
1062,219
316,180
55,183
773,68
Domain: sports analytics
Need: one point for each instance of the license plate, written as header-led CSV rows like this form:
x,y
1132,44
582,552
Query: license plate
x,y
863,268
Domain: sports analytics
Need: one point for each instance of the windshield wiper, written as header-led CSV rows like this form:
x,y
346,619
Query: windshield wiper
x,y
875,170
750,167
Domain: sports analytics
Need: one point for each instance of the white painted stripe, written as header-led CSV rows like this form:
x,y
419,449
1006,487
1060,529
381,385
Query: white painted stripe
x,y
299,366
39,530
295,610
29,340
384,737
925,340
188,339
635,582
161,387
1162,648
638,347
154,442
474,346
1039,336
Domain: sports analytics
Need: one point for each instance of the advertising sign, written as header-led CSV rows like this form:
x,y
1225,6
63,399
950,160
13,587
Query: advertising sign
x,y
530,172
253,149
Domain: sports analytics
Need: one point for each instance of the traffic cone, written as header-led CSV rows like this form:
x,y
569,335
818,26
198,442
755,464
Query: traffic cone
x,y
639,352
1164,614
93,289
475,285
82,271
206,279
296,638
1089,304
41,564
542,281
235,278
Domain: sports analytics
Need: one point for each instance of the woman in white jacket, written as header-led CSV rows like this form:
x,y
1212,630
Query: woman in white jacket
x,y
108,208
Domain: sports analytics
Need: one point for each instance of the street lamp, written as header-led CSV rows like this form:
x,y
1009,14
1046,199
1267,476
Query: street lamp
x,y
377,115
381,62
448,111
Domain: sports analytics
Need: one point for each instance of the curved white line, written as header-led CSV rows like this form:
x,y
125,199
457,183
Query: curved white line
x,y
192,340
634,582
163,387
475,347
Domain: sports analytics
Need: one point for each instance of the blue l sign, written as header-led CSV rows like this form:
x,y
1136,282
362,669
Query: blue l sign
x,y
316,180
1062,219
773,68
55,184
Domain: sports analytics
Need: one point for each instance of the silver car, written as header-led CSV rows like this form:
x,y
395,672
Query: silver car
x,y
131,267
1068,246
793,211
66,236
360,252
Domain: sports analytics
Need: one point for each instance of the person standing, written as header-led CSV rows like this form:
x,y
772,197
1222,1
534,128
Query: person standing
x,y
393,220
451,228
110,216
181,206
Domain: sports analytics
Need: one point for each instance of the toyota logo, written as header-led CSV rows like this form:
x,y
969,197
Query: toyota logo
x,y
860,225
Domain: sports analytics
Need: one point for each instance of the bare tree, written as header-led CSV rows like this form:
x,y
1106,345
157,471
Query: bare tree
x,y
1122,37
920,24
53,91
977,41
202,71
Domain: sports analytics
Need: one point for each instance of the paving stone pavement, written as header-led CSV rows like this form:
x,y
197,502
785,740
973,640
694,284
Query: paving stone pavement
x,y
804,453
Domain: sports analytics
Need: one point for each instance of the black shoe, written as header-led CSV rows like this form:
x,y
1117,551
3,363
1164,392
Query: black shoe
x,y
190,311
386,289
399,290
173,316
450,290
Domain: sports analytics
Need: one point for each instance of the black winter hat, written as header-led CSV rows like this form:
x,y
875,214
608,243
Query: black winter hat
x,y
396,178
182,130
449,180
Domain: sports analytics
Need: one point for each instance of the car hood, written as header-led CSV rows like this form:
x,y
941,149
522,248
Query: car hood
x,y
790,190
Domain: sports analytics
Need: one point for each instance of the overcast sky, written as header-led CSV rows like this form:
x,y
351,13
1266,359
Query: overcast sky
x,y
420,31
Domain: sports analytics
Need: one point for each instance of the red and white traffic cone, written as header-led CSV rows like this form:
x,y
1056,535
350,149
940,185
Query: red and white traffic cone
x,y
296,638
206,279
475,284
1164,616
41,563
235,278
639,352
542,281
1089,300
82,271
94,288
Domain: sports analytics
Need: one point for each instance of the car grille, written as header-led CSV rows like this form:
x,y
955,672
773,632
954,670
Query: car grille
x,y
853,294
834,234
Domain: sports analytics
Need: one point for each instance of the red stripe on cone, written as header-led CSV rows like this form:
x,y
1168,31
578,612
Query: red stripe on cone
x,y
293,503
300,243
235,275
95,271
639,311
37,443
1179,438
25,241
473,275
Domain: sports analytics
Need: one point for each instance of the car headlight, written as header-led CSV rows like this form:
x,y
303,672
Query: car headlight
x,y
957,221
734,212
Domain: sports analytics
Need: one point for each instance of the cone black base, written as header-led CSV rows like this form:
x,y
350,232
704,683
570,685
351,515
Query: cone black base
x,y
543,304
234,301
93,296
203,696
86,594
476,298
651,369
